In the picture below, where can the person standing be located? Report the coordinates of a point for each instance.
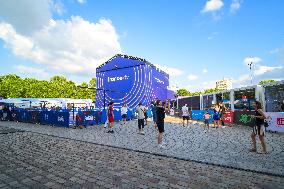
(223, 110)
(106, 123)
(216, 115)
(146, 114)
(141, 116)
(124, 113)
(160, 111)
(153, 109)
(110, 116)
(258, 128)
(206, 121)
(185, 114)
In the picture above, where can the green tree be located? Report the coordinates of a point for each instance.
(263, 82)
(183, 92)
(93, 82)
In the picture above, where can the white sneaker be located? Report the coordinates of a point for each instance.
(204, 131)
(161, 146)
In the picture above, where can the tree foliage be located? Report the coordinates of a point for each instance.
(266, 81)
(185, 92)
(12, 86)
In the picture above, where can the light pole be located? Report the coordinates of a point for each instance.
(250, 67)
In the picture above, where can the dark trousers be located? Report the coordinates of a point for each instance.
(141, 123)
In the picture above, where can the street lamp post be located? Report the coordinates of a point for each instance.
(250, 67)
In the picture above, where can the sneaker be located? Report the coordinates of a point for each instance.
(164, 143)
(111, 131)
(142, 133)
(161, 146)
(204, 131)
(108, 131)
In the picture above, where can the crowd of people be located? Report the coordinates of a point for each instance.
(158, 115)
(158, 112)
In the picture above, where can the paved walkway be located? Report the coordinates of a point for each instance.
(224, 146)
(32, 160)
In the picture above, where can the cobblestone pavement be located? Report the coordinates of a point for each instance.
(227, 147)
(32, 160)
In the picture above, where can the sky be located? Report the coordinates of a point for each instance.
(196, 41)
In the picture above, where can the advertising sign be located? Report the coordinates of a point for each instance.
(275, 121)
(244, 118)
(229, 117)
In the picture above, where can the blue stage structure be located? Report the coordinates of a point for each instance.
(129, 80)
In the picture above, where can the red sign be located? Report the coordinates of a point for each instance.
(280, 121)
(228, 117)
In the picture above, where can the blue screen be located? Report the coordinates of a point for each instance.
(131, 86)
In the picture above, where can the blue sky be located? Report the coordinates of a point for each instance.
(196, 42)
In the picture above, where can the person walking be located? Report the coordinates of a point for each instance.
(185, 114)
(141, 116)
(160, 111)
(110, 116)
(124, 113)
(258, 128)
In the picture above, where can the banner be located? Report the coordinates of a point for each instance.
(244, 118)
(275, 121)
(229, 117)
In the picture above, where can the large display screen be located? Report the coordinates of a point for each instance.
(131, 85)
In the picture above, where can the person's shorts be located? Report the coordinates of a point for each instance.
(146, 116)
(206, 121)
(110, 119)
(160, 126)
(216, 117)
(154, 119)
(185, 117)
(259, 130)
(124, 116)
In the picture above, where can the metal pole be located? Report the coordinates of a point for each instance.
(74, 114)
(104, 99)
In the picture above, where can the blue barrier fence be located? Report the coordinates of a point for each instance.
(64, 118)
(199, 115)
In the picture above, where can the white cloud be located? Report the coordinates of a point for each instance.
(274, 51)
(213, 5)
(204, 71)
(235, 5)
(169, 70)
(30, 70)
(73, 46)
(81, 1)
(260, 70)
(254, 60)
(26, 16)
(192, 77)
(57, 7)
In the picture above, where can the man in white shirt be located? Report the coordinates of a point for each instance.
(124, 113)
(141, 117)
(185, 114)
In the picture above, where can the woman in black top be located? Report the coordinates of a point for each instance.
(160, 112)
(258, 128)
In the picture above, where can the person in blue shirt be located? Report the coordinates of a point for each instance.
(153, 109)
